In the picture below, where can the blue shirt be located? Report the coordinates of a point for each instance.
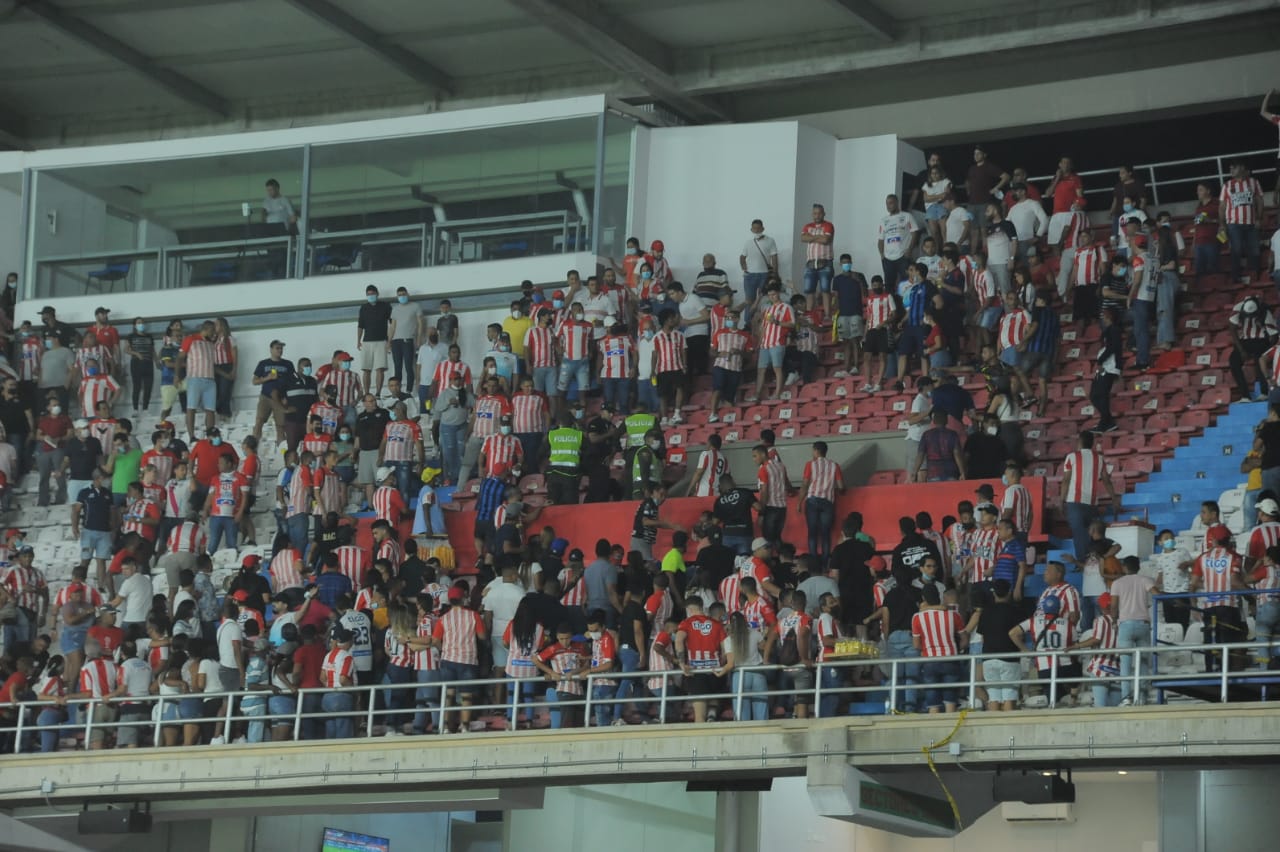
(919, 297)
(1011, 553)
(330, 585)
(96, 504)
(283, 368)
(1048, 328)
(849, 287)
(493, 492)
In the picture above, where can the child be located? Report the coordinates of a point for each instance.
(803, 354)
(880, 311)
(1104, 667)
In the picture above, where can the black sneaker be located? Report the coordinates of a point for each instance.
(1112, 428)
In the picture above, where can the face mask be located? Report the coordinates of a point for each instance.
(55, 409)
(216, 441)
(729, 323)
(346, 365)
(993, 430)
(344, 436)
(646, 275)
(502, 347)
(121, 449)
(306, 371)
(594, 634)
(48, 344)
(577, 413)
(515, 315)
(1169, 543)
(404, 300)
(1004, 480)
(655, 444)
(557, 303)
(92, 371)
(139, 327)
(393, 416)
(847, 267)
(457, 387)
(648, 334)
(660, 297)
(632, 250)
(11, 283)
(1128, 208)
(577, 317)
(371, 299)
(506, 430)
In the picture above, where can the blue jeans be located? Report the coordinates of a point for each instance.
(739, 544)
(1167, 307)
(1206, 259)
(937, 673)
(1243, 240)
(576, 370)
(453, 444)
(647, 394)
(49, 735)
(831, 700)
(1143, 313)
(617, 394)
(603, 710)
(402, 354)
(819, 278)
(544, 380)
(752, 282)
(630, 659)
(756, 709)
(900, 645)
(1130, 634)
(258, 727)
(404, 479)
(1266, 627)
(298, 527)
(554, 699)
(282, 705)
(396, 699)
(222, 529)
(1106, 693)
(1079, 516)
(427, 697)
(338, 727)
(1251, 495)
(819, 515)
(526, 688)
(312, 729)
(1088, 612)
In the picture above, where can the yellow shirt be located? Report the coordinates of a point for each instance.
(516, 328)
(673, 562)
(1255, 475)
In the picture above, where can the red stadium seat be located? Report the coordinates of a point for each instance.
(1164, 441)
(1214, 398)
(755, 414)
(883, 477)
(813, 410)
(1193, 421)
(874, 424)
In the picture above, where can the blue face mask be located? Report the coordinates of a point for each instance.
(216, 441)
(346, 365)
(1169, 543)
(729, 323)
(1128, 208)
(557, 303)
(847, 267)
(306, 371)
(404, 300)
(371, 299)
(48, 344)
(1004, 480)
(646, 275)
(92, 371)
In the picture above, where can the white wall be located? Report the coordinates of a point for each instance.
(815, 184)
(788, 821)
(655, 817)
(866, 170)
(10, 232)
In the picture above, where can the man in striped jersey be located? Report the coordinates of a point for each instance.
(1253, 328)
(1265, 535)
(1104, 666)
(1016, 505)
(1082, 472)
(669, 367)
(1216, 571)
(823, 479)
(530, 421)
(937, 631)
(1241, 206)
(771, 493)
(197, 356)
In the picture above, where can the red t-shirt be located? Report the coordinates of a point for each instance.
(108, 637)
(204, 460)
(317, 615)
(703, 637)
(307, 661)
(14, 686)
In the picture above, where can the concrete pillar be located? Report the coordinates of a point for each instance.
(231, 833)
(737, 821)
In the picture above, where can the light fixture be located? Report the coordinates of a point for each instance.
(1122, 772)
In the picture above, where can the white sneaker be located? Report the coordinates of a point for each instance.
(1036, 702)
(239, 740)
(676, 420)
(619, 723)
(664, 422)
(792, 378)
(840, 374)
(217, 741)
(867, 388)
(1126, 702)
(714, 418)
(873, 389)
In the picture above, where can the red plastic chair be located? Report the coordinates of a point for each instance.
(875, 424)
(1195, 420)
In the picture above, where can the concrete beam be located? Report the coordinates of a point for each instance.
(171, 81)
(871, 17)
(15, 834)
(403, 60)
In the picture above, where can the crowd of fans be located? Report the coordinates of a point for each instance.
(973, 287)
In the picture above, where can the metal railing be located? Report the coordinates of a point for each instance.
(899, 679)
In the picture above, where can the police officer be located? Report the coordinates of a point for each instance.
(646, 465)
(564, 461)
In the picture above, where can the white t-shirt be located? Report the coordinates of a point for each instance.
(501, 599)
(596, 308)
(1122, 241)
(644, 359)
(361, 638)
(135, 674)
(179, 597)
(920, 405)
(212, 677)
(136, 591)
(1275, 251)
(690, 308)
(938, 188)
(1029, 220)
(896, 231)
(933, 262)
(757, 251)
(429, 357)
(958, 225)
(228, 632)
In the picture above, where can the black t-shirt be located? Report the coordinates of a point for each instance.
(849, 559)
(411, 574)
(952, 399)
(912, 551)
(733, 510)
(300, 393)
(326, 540)
(83, 457)
(283, 368)
(985, 456)
(648, 510)
(1269, 434)
(994, 624)
(632, 613)
(255, 584)
(143, 346)
(902, 606)
(596, 452)
(374, 321)
(13, 414)
(716, 561)
(507, 533)
(369, 428)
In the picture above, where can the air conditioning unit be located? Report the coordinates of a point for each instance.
(1021, 812)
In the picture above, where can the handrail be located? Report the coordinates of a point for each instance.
(901, 676)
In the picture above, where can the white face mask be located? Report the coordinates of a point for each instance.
(516, 315)
(993, 430)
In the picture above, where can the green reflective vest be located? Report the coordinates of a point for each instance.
(566, 447)
(644, 457)
(637, 425)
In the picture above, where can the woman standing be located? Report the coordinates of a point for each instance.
(224, 366)
(742, 649)
(1165, 250)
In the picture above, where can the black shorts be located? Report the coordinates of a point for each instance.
(704, 684)
(726, 381)
(876, 341)
(668, 383)
(484, 530)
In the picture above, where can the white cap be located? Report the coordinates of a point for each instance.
(759, 544)
(1269, 507)
(382, 473)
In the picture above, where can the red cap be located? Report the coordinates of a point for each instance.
(876, 564)
(12, 534)
(253, 560)
(1104, 601)
(559, 294)
(240, 595)
(657, 245)
(344, 356)
(167, 425)
(456, 594)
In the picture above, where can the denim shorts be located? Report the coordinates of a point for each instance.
(95, 543)
(935, 212)
(1011, 356)
(989, 318)
(202, 394)
(772, 357)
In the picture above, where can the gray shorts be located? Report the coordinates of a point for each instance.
(173, 563)
(373, 355)
(851, 328)
(202, 394)
(366, 467)
(997, 676)
(128, 735)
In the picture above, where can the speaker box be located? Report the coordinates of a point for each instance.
(1032, 788)
(114, 822)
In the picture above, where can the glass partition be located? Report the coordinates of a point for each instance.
(615, 182)
(171, 223)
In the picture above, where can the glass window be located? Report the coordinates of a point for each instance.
(615, 185)
(174, 223)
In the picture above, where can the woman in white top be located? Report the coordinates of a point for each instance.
(742, 648)
(1004, 405)
(169, 683)
(935, 191)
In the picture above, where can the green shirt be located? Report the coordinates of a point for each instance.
(125, 470)
(673, 562)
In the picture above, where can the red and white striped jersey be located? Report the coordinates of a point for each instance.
(352, 564)
(1068, 598)
(316, 443)
(489, 410)
(248, 468)
(659, 606)
(878, 310)
(937, 629)
(564, 659)
(711, 466)
(668, 351)
(426, 660)
(338, 665)
(879, 590)
(223, 350)
(104, 429)
(959, 541)
(794, 622)
(138, 510)
(388, 504)
(574, 593)
(98, 677)
(773, 328)
(539, 347)
(617, 357)
(228, 491)
(389, 550)
(728, 593)
(771, 482)
(446, 370)
(826, 627)
(28, 366)
(299, 492)
(1237, 200)
(806, 331)
(364, 600)
(824, 477)
(458, 630)
(402, 437)
(1013, 328)
(330, 416)
(717, 315)
(286, 570)
(1017, 502)
(759, 614)
(744, 566)
(1076, 230)
(94, 390)
(703, 638)
(500, 453)
(1050, 635)
(331, 490)
(1083, 472)
(1267, 577)
(157, 656)
(346, 385)
(98, 353)
(985, 287)
(657, 661)
(25, 585)
(1259, 326)
(519, 657)
(188, 537)
(575, 339)
(985, 545)
(200, 356)
(1102, 664)
(91, 596)
(604, 651)
(816, 250)
(1263, 536)
(162, 460)
(529, 413)
(730, 346)
(1090, 262)
(398, 653)
(1217, 569)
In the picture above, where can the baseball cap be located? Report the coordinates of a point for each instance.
(47, 309)
(275, 343)
(559, 546)
(344, 356)
(381, 473)
(575, 555)
(240, 595)
(253, 560)
(101, 310)
(166, 425)
(1104, 601)
(657, 245)
(12, 534)
(559, 294)
(1269, 507)
(985, 491)
(430, 473)
(877, 564)
(987, 506)
(81, 423)
(26, 548)
(456, 594)
(759, 544)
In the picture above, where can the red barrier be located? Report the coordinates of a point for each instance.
(881, 507)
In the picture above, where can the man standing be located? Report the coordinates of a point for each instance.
(1131, 595)
(373, 341)
(730, 346)
(696, 326)
(939, 454)
(699, 639)
(197, 356)
(93, 506)
(896, 242)
(1110, 357)
(984, 183)
(406, 331)
(1216, 571)
(818, 236)
(823, 479)
(1241, 205)
(1082, 471)
(771, 493)
(759, 257)
(669, 347)
(776, 326)
(1029, 221)
(272, 376)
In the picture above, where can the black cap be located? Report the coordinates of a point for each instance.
(986, 491)
(575, 555)
(47, 309)
(101, 310)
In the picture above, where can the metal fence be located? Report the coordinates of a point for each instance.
(1174, 176)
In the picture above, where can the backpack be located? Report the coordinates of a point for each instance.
(789, 651)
